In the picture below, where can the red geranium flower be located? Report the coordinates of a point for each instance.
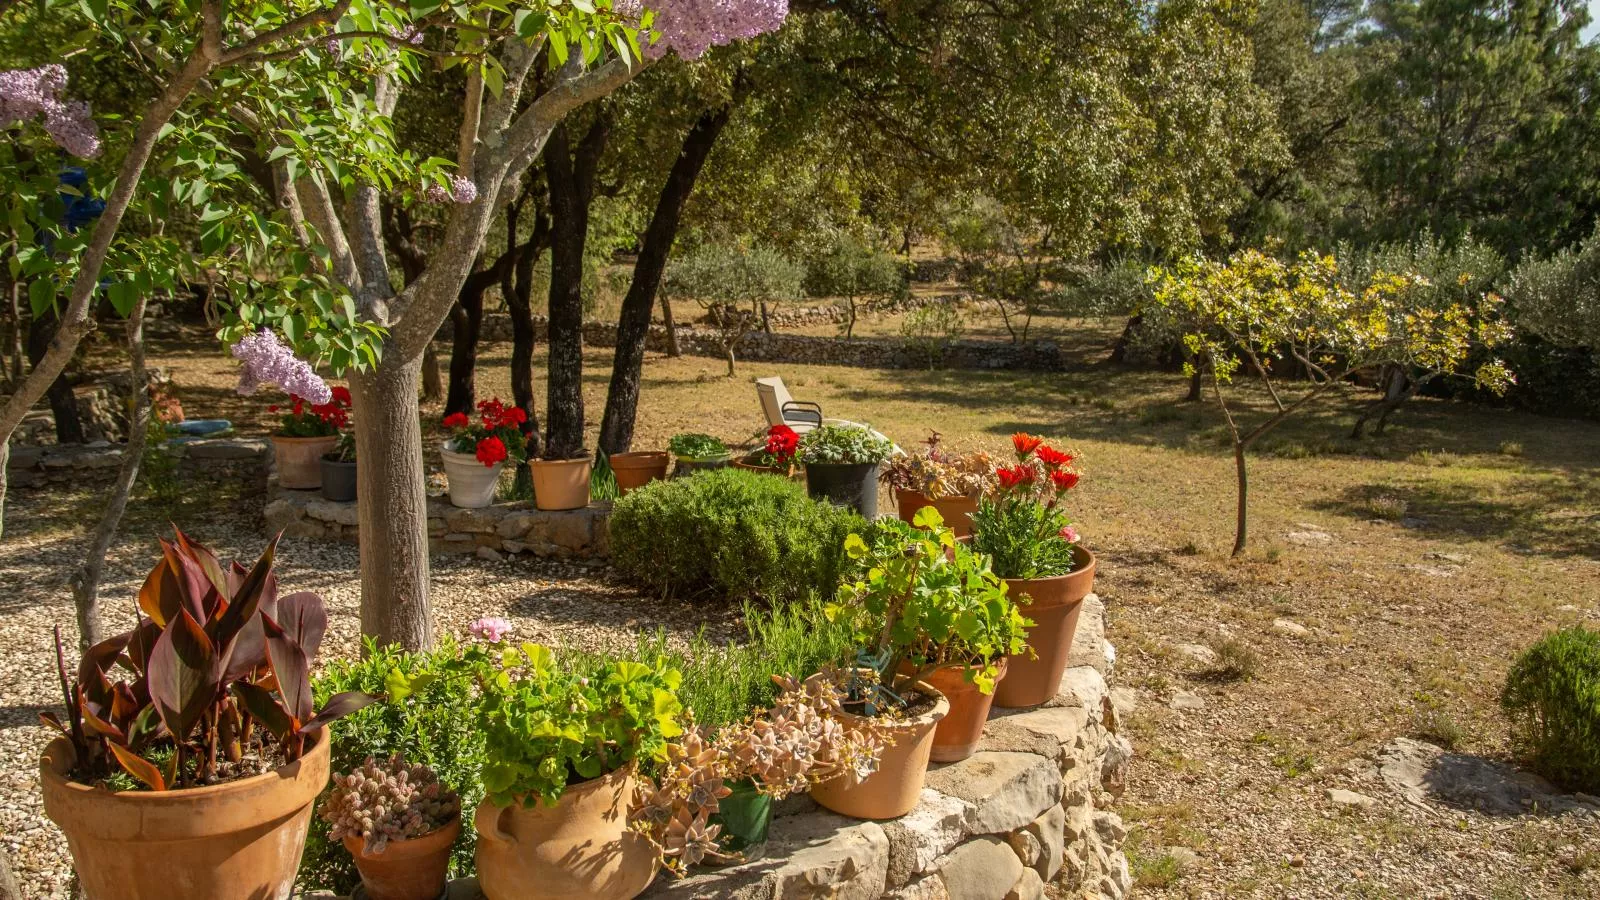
(1025, 443)
(515, 415)
(456, 420)
(1064, 480)
(1016, 475)
(341, 395)
(491, 450)
(1054, 458)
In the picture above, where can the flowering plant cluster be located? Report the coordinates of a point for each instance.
(266, 360)
(490, 628)
(800, 742)
(495, 438)
(1023, 527)
(777, 452)
(307, 419)
(388, 801)
(939, 473)
(29, 93)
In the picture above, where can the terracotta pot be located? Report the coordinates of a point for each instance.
(472, 484)
(560, 483)
(1053, 604)
(958, 733)
(579, 849)
(635, 470)
(299, 460)
(235, 841)
(413, 869)
(957, 511)
(894, 789)
(764, 470)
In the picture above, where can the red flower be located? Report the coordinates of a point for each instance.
(1054, 458)
(272, 408)
(782, 441)
(1025, 444)
(1014, 476)
(341, 395)
(491, 450)
(1064, 480)
(456, 420)
(515, 415)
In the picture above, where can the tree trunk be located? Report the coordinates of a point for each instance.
(633, 324)
(86, 581)
(1195, 381)
(571, 181)
(15, 352)
(517, 289)
(1241, 524)
(672, 329)
(63, 405)
(467, 318)
(850, 323)
(392, 504)
(432, 380)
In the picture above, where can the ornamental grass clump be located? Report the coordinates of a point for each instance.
(494, 438)
(938, 473)
(383, 802)
(1023, 527)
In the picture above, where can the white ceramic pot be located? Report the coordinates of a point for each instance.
(472, 483)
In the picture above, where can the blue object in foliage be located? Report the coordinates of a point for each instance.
(81, 208)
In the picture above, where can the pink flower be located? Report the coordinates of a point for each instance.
(691, 27)
(26, 93)
(490, 628)
(267, 361)
(461, 190)
(1069, 534)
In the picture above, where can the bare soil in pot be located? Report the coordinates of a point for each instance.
(1053, 604)
(412, 869)
(894, 789)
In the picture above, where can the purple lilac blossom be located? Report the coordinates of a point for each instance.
(411, 34)
(461, 190)
(691, 27)
(26, 93)
(267, 361)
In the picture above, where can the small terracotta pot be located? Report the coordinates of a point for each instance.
(1053, 604)
(299, 460)
(764, 470)
(235, 841)
(959, 733)
(894, 789)
(957, 511)
(579, 849)
(635, 470)
(560, 483)
(413, 869)
(472, 484)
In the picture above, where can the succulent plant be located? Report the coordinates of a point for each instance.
(937, 472)
(388, 801)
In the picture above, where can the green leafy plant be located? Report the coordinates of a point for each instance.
(1022, 526)
(697, 447)
(928, 330)
(927, 602)
(730, 535)
(1552, 695)
(936, 472)
(220, 684)
(843, 445)
(345, 450)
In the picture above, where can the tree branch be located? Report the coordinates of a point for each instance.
(249, 50)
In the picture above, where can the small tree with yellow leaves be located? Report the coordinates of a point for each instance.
(1260, 316)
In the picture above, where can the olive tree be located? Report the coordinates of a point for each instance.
(1558, 298)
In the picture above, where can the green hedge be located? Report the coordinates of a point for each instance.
(730, 535)
(1553, 697)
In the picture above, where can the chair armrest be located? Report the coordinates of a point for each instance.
(802, 411)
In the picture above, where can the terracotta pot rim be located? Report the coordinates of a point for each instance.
(575, 790)
(941, 708)
(637, 459)
(53, 767)
(574, 461)
(428, 842)
(1079, 552)
(973, 497)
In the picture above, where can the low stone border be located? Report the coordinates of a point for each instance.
(222, 459)
(489, 532)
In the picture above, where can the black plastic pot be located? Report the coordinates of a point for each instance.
(687, 466)
(744, 816)
(338, 480)
(845, 484)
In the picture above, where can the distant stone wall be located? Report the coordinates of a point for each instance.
(217, 459)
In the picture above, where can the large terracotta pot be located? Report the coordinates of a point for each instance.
(299, 460)
(235, 841)
(579, 849)
(635, 470)
(413, 869)
(958, 733)
(560, 483)
(472, 484)
(764, 470)
(894, 789)
(1053, 604)
(957, 511)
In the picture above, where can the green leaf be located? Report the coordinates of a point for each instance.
(41, 296)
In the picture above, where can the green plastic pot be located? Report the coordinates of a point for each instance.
(744, 816)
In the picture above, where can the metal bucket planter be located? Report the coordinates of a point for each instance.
(845, 484)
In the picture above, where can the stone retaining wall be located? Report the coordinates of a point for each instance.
(218, 459)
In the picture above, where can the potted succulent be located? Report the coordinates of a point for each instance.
(776, 455)
(636, 469)
(475, 453)
(1032, 544)
(713, 799)
(561, 752)
(190, 742)
(306, 432)
(952, 625)
(339, 470)
(399, 824)
(841, 464)
(695, 452)
(948, 481)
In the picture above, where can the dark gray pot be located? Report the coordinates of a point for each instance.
(845, 484)
(338, 480)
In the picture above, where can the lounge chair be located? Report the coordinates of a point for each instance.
(802, 415)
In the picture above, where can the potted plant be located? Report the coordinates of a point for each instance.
(948, 481)
(637, 469)
(776, 455)
(561, 751)
(191, 747)
(305, 433)
(841, 464)
(952, 625)
(1032, 544)
(399, 824)
(713, 799)
(695, 452)
(560, 484)
(475, 453)
(339, 470)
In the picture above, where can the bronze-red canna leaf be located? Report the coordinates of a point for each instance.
(265, 709)
(339, 706)
(139, 767)
(184, 674)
